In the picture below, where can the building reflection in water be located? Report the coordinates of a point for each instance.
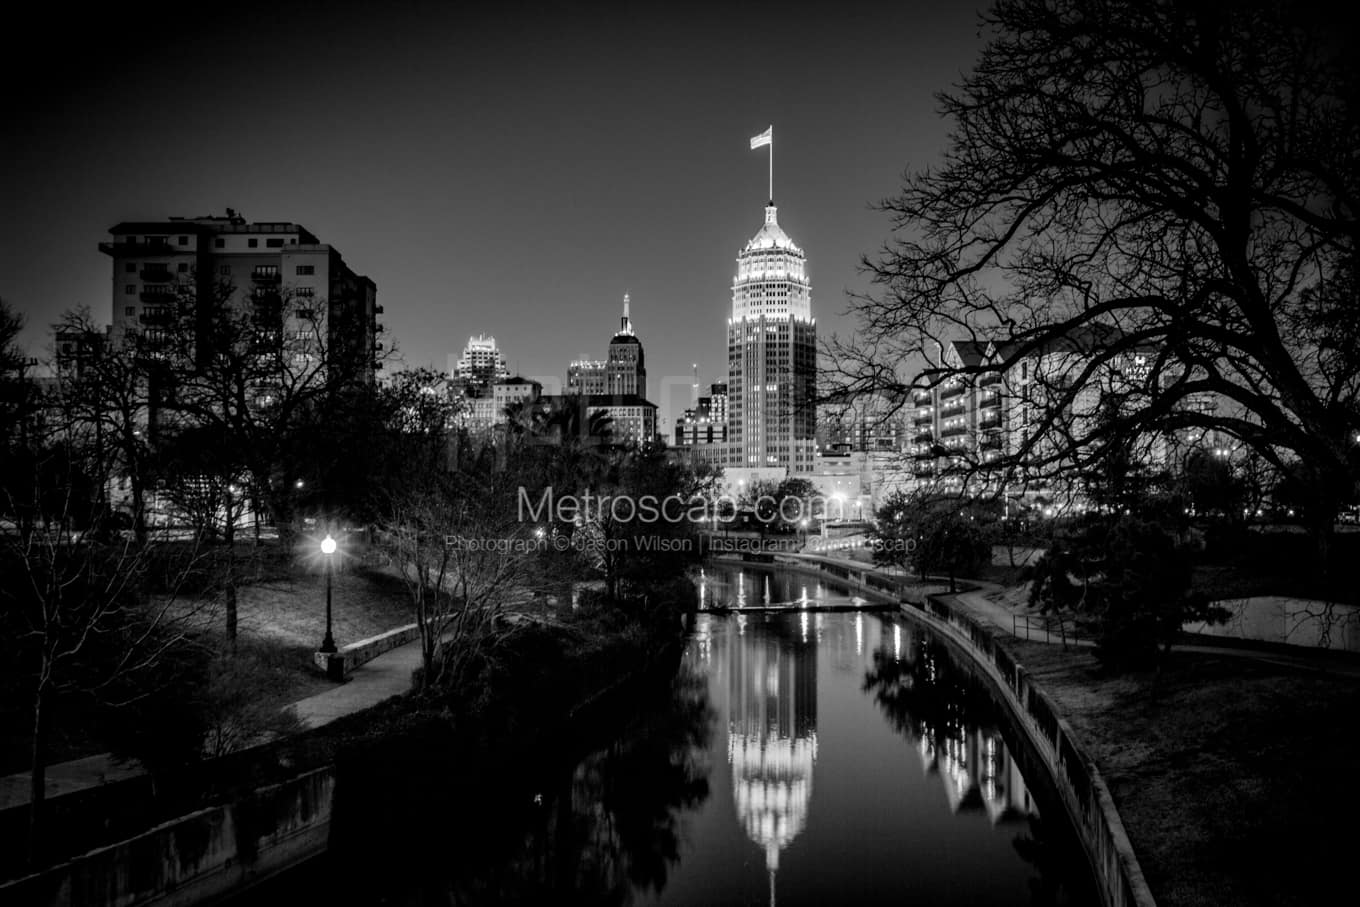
(952, 721)
(767, 665)
(772, 731)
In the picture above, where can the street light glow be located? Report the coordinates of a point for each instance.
(328, 545)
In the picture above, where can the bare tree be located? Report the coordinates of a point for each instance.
(245, 371)
(467, 560)
(76, 600)
(1166, 191)
(112, 389)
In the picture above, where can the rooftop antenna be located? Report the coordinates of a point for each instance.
(696, 384)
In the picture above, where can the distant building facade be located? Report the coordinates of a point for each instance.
(968, 421)
(250, 266)
(616, 386)
(706, 422)
(480, 366)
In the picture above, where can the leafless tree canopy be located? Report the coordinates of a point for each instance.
(1179, 178)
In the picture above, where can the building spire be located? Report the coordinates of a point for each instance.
(625, 323)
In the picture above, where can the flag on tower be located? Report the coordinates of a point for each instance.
(765, 138)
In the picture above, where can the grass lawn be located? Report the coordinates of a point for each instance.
(292, 609)
(1230, 779)
(282, 619)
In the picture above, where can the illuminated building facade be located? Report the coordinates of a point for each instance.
(623, 371)
(481, 365)
(706, 423)
(771, 358)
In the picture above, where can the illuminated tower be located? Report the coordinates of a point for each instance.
(771, 356)
(625, 366)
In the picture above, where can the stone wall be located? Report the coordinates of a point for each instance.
(197, 857)
(338, 664)
(1292, 621)
(1085, 796)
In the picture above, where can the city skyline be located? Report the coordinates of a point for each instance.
(538, 161)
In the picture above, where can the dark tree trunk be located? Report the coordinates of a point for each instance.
(37, 787)
(229, 537)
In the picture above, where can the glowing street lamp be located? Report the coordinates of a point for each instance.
(328, 549)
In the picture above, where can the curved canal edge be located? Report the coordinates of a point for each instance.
(1073, 773)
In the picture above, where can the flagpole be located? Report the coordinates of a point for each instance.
(772, 165)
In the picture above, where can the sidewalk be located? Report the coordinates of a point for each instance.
(382, 678)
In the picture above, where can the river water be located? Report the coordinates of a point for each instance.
(795, 758)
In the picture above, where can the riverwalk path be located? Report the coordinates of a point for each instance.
(373, 682)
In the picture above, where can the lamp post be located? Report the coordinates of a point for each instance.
(328, 549)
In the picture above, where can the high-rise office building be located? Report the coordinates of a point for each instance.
(623, 371)
(625, 367)
(481, 364)
(771, 357)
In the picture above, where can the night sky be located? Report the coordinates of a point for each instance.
(512, 170)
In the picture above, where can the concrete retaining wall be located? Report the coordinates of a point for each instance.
(197, 857)
(1293, 621)
(1083, 792)
(338, 664)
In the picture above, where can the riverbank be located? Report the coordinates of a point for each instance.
(1222, 768)
(1225, 769)
(539, 681)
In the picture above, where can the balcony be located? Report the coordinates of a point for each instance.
(921, 399)
(922, 470)
(953, 390)
(159, 316)
(922, 437)
(990, 379)
(991, 422)
(953, 431)
(991, 441)
(156, 274)
(123, 249)
(266, 274)
(157, 294)
(922, 420)
(953, 409)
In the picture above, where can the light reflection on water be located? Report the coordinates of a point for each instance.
(751, 587)
(817, 710)
(798, 758)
